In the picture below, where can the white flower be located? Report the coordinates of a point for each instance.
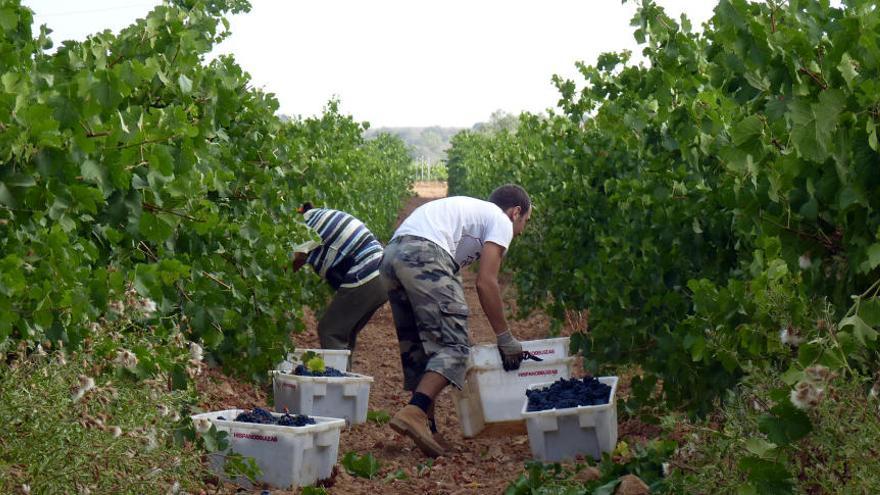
(116, 431)
(285, 367)
(151, 440)
(39, 351)
(806, 395)
(147, 307)
(665, 467)
(818, 374)
(795, 398)
(26, 489)
(116, 307)
(193, 371)
(804, 261)
(196, 353)
(202, 425)
(99, 423)
(86, 383)
(126, 359)
(788, 336)
(175, 488)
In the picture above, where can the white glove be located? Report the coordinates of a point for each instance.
(510, 349)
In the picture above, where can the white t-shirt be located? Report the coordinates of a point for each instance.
(460, 225)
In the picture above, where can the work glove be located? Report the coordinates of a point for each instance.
(510, 349)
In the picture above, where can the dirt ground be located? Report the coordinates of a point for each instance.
(482, 465)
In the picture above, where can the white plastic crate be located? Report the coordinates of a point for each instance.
(486, 356)
(492, 395)
(339, 397)
(287, 456)
(560, 434)
(334, 358)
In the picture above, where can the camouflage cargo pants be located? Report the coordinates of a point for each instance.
(429, 309)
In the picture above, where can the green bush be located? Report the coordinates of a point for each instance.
(681, 199)
(734, 451)
(126, 160)
(76, 422)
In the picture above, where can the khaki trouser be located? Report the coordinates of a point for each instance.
(429, 309)
(348, 312)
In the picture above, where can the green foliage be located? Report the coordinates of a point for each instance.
(699, 203)
(128, 161)
(558, 479)
(364, 466)
(715, 209)
(308, 356)
(400, 474)
(785, 424)
(379, 417)
(750, 452)
(424, 467)
(216, 442)
(426, 171)
(316, 365)
(239, 466)
(115, 437)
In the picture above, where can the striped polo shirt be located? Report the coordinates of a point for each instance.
(349, 254)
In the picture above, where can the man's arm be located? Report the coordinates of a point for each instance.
(488, 288)
(490, 299)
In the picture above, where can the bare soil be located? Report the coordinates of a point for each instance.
(482, 465)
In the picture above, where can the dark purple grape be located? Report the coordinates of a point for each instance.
(565, 393)
(258, 415)
(295, 420)
(262, 416)
(328, 371)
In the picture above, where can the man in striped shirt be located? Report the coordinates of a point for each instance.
(348, 258)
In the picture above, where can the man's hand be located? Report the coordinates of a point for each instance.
(511, 351)
(298, 260)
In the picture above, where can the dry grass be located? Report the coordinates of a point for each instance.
(430, 189)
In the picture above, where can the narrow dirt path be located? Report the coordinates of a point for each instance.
(481, 465)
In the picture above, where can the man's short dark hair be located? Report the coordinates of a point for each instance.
(509, 196)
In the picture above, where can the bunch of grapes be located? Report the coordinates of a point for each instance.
(295, 420)
(569, 393)
(328, 371)
(258, 415)
(264, 417)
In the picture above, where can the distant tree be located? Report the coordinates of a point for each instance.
(498, 121)
(425, 143)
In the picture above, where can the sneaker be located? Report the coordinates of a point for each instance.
(413, 422)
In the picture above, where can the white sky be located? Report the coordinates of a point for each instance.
(402, 62)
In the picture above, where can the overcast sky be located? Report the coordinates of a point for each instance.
(401, 62)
